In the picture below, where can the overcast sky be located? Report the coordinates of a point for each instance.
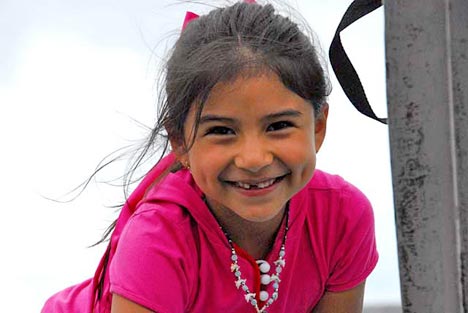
(74, 75)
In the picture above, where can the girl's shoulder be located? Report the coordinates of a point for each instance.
(340, 222)
(324, 180)
(325, 183)
(334, 197)
(172, 199)
(176, 200)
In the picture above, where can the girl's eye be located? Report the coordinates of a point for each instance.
(279, 125)
(219, 130)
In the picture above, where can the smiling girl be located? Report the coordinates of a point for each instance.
(236, 218)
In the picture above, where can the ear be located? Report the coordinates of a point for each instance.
(321, 126)
(179, 149)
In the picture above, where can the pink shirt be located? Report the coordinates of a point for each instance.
(172, 256)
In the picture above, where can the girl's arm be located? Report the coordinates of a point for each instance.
(349, 301)
(123, 305)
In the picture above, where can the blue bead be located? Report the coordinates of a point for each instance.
(276, 285)
(237, 273)
(234, 257)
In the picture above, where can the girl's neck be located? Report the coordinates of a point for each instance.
(256, 238)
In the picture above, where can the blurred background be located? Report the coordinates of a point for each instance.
(78, 81)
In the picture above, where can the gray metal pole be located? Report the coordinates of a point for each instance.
(427, 71)
(459, 53)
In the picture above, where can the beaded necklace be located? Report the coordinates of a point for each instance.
(250, 297)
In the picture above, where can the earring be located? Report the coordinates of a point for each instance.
(186, 164)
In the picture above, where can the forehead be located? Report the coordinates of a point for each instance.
(251, 95)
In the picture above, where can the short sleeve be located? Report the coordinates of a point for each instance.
(355, 254)
(153, 261)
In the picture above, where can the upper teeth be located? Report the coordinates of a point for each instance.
(264, 184)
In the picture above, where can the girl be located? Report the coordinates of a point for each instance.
(236, 218)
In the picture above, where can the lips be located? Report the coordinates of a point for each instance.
(262, 184)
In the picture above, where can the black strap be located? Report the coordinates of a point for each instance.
(344, 70)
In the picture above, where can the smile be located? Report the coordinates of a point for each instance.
(259, 185)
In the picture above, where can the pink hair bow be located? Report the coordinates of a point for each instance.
(190, 16)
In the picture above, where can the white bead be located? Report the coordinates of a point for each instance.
(263, 266)
(265, 279)
(264, 295)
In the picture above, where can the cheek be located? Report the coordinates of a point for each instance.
(206, 164)
(301, 158)
(300, 151)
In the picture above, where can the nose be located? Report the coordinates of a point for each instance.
(253, 155)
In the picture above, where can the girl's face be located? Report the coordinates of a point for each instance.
(255, 146)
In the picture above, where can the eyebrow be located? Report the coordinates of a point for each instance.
(218, 118)
(215, 118)
(286, 113)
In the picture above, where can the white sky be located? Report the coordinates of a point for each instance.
(74, 73)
